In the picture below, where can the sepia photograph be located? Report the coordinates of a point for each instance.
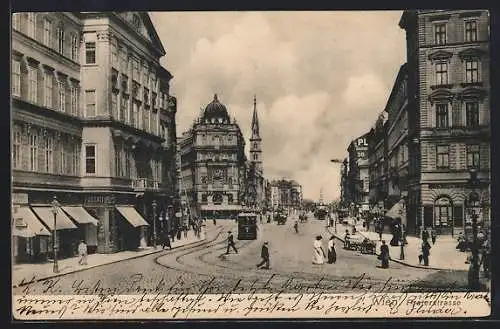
(250, 164)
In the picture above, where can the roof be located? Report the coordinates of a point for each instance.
(216, 112)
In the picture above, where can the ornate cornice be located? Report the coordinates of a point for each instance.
(471, 53)
(472, 93)
(441, 95)
(440, 55)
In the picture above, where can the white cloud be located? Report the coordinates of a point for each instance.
(321, 79)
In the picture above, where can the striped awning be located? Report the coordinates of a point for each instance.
(80, 215)
(132, 216)
(26, 225)
(62, 220)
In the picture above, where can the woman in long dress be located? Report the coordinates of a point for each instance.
(319, 253)
(332, 254)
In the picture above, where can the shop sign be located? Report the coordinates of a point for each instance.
(20, 198)
(99, 199)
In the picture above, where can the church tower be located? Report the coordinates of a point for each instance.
(255, 140)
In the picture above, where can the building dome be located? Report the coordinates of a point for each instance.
(215, 112)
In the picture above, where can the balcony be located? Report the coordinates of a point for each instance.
(145, 184)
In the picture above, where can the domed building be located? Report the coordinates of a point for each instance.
(212, 156)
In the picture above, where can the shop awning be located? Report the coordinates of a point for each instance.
(221, 207)
(397, 210)
(26, 224)
(80, 215)
(132, 216)
(62, 220)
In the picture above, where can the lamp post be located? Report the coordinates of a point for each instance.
(402, 238)
(55, 209)
(473, 199)
(154, 223)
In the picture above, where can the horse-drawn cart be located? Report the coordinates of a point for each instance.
(358, 242)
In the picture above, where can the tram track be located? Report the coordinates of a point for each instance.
(210, 269)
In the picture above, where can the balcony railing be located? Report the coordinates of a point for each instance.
(145, 184)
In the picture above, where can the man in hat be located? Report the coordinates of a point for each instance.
(264, 254)
(230, 242)
(82, 251)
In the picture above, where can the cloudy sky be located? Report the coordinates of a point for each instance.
(321, 80)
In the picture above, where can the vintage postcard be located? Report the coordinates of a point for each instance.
(242, 165)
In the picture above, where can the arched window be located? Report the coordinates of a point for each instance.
(443, 212)
(255, 157)
(255, 145)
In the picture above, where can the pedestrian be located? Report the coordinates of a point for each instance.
(296, 227)
(264, 254)
(185, 230)
(215, 221)
(426, 247)
(230, 243)
(384, 255)
(332, 254)
(166, 241)
(425, 234)
(82, 251)
(318, 253)
(485, 257)
(380, 230)
(346, 239)
(433, 236)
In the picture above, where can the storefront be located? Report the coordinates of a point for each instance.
(30, 239)
(120, 225)
(87, 226)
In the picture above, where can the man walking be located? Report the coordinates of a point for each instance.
(230, 243)
(82, 251)
(166, 241)
(426, 247)
(296, 226)
(264, 254)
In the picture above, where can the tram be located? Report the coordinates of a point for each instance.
(247, 226)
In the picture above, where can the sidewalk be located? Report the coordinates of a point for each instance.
(38, 272)
(443, 255)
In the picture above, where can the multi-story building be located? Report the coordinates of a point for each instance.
(213, 162)
(377, 155)
(397, 147)
(358, 176)
(449, 116)
(286, 194)
(93, 125)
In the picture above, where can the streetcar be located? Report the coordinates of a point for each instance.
(247, 226)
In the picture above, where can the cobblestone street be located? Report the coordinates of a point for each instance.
(205, 267)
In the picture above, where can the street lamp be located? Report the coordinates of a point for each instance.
(55, 209)
(402, 237)
(154, 223)
(473, 199)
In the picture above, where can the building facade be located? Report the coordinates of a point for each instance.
(93, 125)
(286, 194)
(449, 117)
(213, 169)
(358, 175)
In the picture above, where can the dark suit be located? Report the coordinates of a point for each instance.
(264, 254)
(230, 244)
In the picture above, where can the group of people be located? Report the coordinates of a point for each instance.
(319, 254)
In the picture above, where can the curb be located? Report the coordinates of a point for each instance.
(112, 262)
(399, 261)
